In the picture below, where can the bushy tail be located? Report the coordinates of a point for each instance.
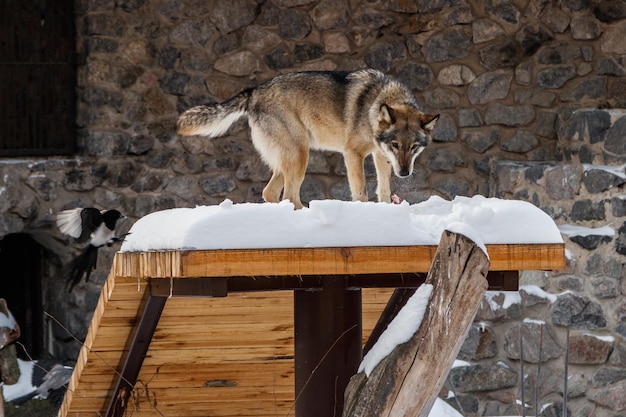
(213, 120)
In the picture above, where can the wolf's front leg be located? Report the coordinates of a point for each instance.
(356, 175)
(383, 177)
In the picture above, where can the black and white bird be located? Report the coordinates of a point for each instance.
(92, 226)
(42, 379)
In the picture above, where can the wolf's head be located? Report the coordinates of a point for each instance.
(402, 132)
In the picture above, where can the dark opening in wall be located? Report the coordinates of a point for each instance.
(21, 270)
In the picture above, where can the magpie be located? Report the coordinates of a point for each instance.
(92, 226)
(42, 379)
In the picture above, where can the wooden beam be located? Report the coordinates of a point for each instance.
(323, 261)
(407, 381)
(140, 343)
(328, 337)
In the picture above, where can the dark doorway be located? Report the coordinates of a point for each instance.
(21, 269)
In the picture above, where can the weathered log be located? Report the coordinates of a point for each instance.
(407, 381)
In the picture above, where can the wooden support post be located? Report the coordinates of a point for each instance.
(406, 382)
(327, 346)
(136, 354)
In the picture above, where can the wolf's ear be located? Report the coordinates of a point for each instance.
(429, 121)
(385, 116)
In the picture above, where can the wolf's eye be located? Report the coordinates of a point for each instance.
(395, 145)
(414, 147)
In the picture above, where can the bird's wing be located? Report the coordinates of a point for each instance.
(58, 376)
(70, 222)
(91, 219)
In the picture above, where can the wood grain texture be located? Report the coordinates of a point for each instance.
(245, 338)
(323, 261)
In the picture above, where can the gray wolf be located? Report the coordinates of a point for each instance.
(356, 113)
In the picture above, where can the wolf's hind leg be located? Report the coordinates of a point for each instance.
(294, 170)
(356, 174)
(271, 192)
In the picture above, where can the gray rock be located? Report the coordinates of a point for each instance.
(415, 76)
(586, 125)
(105, 24)
(533, 36)
(445, 130)
(607, 376)
(546, 125)
(618, 206)
(599, 265)
(444, 160)
(588, 210)
(531, 336)
(620, 241)
(520, 142)
(482, 377)
(570, 282)
(577, 312)
(599, 180)
(611, 66)
(449, 44)
(605, 287)
(370, 18)
(501, 54)
(615, 143)
(618, 356)
(490, 86)
(587, 349)
(537, 98)
(590, 242)
(218, 186)
(480, 343)
(562, 53)
(98, 143)
(481, 140)
(453, 186)
(331, 14)
(441, 98)
(557, 20)
(239, 64)
(592, 88)
(585, 28)
(469, 117)
(509, 115)
(193, 32)
(307, 51)
(456, 75)
(293, 24)
(229, 16)
(383, 55)
(279, 57)
(85, 179)
(563, 181)
(555, 77)
(612, 397)
(484, 30)
(609, 11)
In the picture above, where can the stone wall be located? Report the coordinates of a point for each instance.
(529, 94)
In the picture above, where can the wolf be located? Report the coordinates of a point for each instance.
(357, 113)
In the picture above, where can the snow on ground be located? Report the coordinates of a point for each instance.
(334, 223)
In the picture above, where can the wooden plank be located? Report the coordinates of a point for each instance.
(323, 261)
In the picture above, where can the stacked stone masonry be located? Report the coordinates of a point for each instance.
(530, 95)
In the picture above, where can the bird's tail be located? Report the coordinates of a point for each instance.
(213, 120)
(81, 266)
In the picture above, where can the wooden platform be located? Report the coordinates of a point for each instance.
(234, 355)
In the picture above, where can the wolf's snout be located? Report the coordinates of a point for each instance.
(404, 173)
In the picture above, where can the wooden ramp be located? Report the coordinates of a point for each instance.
(223, 342)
